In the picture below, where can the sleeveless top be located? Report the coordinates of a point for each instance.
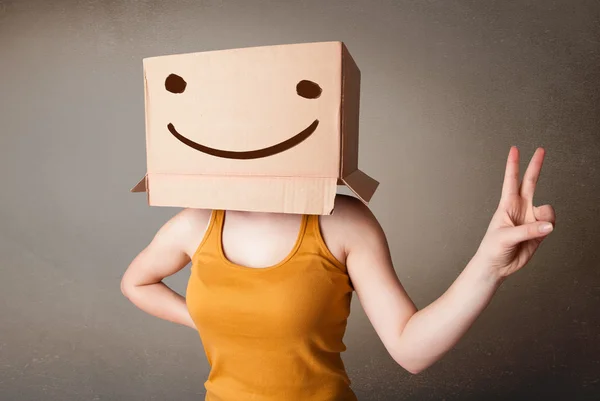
(273, 333)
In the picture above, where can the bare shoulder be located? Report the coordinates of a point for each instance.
(351, 222)
(187, 228)
(350, 213)
(196, 217)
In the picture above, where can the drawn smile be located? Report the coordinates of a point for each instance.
(249, 154)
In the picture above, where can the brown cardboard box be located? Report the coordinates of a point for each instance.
(268, 129)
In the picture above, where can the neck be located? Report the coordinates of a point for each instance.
(259, 216)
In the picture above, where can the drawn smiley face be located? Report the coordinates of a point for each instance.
(305, 88)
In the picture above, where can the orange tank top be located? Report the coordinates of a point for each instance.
(273, 333)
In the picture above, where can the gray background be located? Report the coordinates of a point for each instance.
(447, 88)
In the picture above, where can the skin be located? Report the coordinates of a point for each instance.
(415, 339)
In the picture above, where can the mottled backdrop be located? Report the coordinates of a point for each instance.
(448, 87)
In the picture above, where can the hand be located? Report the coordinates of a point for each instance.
(514, 233)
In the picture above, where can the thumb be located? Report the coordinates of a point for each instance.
(526, 232)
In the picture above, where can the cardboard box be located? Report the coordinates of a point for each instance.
(266, 129)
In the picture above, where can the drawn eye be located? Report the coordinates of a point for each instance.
(308, 89)
(175, 84)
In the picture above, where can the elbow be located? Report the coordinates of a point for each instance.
(128, 283)
(126, 288)
(414, 371)
(409, 367)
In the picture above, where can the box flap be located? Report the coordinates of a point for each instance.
(299, 195)
(361, 184)
(140, 186)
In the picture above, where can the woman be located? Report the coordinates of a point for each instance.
(270, 293)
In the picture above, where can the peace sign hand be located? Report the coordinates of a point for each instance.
(517, 227)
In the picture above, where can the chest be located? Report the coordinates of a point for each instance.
(291, 300)
(258, 246)
(267, 244)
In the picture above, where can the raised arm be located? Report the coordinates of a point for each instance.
(414, 339)
(417, 339)
(169, 252)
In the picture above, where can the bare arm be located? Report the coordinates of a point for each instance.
(434, 330)
(415, 339)
(513, 236)
(168, 253)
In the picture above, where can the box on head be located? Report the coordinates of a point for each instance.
(265, 129)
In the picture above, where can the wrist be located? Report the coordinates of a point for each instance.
(485, 272)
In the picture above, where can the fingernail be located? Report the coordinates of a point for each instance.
(545, 228)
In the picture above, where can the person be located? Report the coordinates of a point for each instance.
(270, 293)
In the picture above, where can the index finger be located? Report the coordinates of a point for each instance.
(510, 186)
